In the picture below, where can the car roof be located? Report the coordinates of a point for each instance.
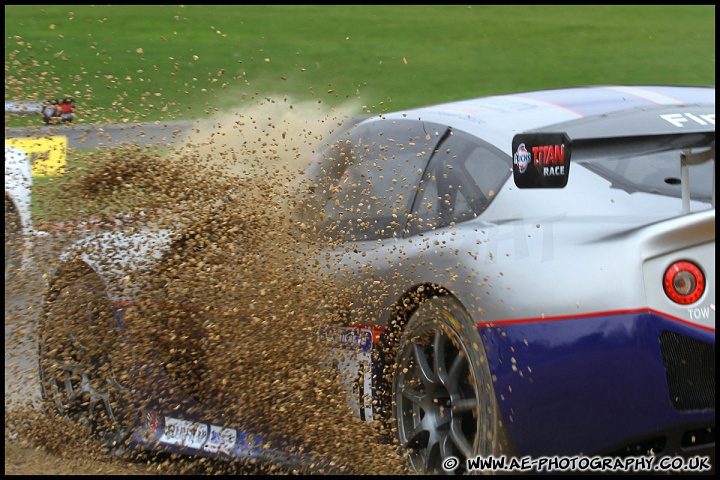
(498, 118)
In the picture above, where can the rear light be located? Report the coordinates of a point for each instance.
(684, 283)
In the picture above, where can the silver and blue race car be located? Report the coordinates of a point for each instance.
(530, 275)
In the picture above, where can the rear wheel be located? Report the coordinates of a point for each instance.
(80, 350)
(443, 399)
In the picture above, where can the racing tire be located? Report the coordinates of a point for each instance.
(444, 404)
(80, 358)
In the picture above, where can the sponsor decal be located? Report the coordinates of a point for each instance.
(197, 435)
(152, 422)
(150, 425)
(221, 439)
(541, 160)
(550, 159)
(184, 433)
(349, 337)
(522, 158)
(352, 355)
(682, 120)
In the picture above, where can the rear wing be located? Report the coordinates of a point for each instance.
(541, 158)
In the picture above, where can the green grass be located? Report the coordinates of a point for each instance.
(56, 198)
(100, 183)
(142, 63)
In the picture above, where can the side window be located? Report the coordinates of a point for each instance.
(460, 182)
(383, 163)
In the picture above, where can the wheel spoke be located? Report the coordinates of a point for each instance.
(457, 370)
(446, 448)
(416, 397)
(71, 392)
(109, 409)
(422, 366)
(432, 455)
(459, 440)
(439, 342)
(413, 435)
(92, 403)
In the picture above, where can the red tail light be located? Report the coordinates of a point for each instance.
(684, 282)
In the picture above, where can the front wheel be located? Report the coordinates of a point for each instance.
(443, 399)
(80, 350)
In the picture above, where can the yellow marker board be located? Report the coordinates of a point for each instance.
(48, 155)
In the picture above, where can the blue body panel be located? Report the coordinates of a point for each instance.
(564, 387)
(171, 421)
(584, 385)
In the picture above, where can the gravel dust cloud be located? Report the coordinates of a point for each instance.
(250, 341)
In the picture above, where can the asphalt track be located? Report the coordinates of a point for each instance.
(23, 301)
(93, 136)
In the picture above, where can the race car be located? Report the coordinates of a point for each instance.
(530, 275)
(18, 219)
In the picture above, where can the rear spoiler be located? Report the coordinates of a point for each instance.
(541, 158)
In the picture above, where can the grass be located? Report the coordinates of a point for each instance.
(56, 198)
(148, 63)
(144, 63)
(100, 182)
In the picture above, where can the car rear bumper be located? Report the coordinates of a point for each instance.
(605, 381)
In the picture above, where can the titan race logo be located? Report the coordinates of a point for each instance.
(550, 159)
(541, 160)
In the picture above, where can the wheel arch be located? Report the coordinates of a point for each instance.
(118, 258)
(72, 269)
(401, 312)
